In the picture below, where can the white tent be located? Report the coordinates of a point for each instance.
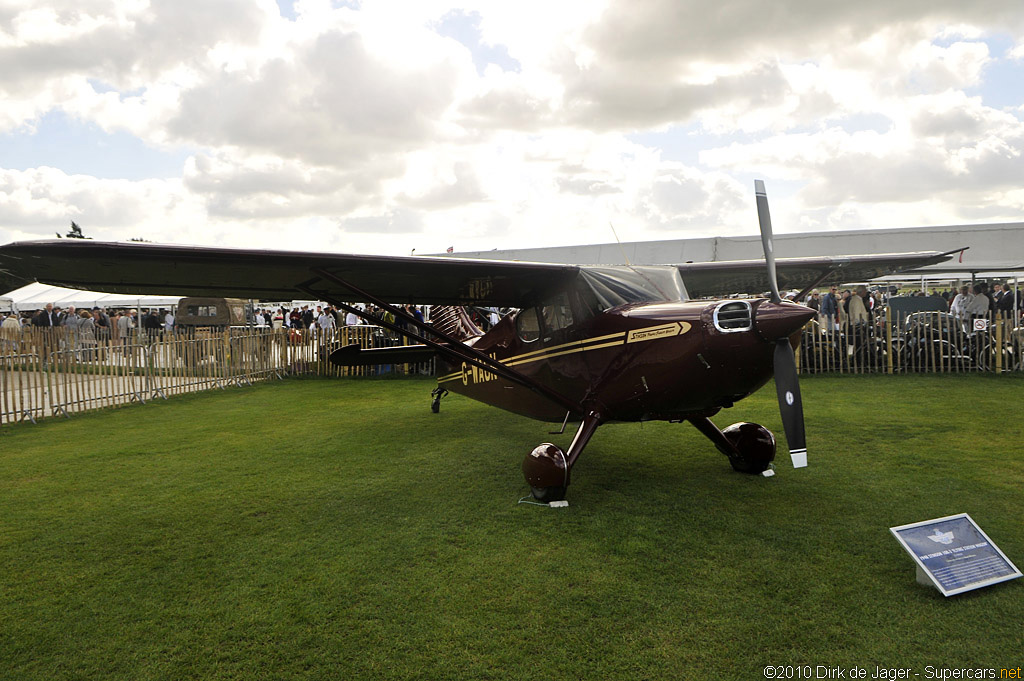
(36, 296)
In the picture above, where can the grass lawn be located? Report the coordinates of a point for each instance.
(337, 529)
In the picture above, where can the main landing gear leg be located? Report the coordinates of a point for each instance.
(749, 446)
(437, 394)
(547, 468)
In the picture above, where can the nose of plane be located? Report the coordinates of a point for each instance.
(781, 320)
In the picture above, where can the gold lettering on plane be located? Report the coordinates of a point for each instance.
(473, 374)
(477, 289)
(655, 332)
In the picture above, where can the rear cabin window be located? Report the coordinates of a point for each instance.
(550, 317)
(527, 326)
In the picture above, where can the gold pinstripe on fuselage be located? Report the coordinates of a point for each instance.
(547, 353)
(596, 343)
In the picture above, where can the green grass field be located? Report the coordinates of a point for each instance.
(318, 529)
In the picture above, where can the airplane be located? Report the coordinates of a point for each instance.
(587, 344)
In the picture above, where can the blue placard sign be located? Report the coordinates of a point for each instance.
(955, 554)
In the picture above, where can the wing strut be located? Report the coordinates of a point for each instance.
(817, 282)
(457, 348)
(439, 347)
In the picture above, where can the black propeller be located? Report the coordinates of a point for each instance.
(787, 384)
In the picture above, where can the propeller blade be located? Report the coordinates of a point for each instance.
(764, 220)
(787, 385)
(790, 405)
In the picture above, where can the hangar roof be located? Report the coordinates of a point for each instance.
(992, 248)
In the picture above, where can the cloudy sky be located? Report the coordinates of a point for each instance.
(383, 127)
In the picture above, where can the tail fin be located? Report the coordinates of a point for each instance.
(454, 321)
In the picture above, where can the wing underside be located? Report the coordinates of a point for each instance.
(139, 268)
(709, 279)
(142, 268)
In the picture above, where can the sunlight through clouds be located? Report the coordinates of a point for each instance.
(386, 126)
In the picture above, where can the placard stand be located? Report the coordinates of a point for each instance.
(954, 555)
(922, 577)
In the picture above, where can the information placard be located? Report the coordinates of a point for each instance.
(955, 554)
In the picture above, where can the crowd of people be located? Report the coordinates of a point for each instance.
(978, 301)
(99, 321)
(836, 310)
(84, 329)
(122, 323)
(327, 317)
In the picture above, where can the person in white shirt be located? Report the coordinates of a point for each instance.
(959, 306)
(326, 320)
(71, 322)
(979, 305)
(125, 328)
(352, 319)
(10, 331)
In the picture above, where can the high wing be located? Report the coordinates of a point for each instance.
(709, 279)
(143, 268)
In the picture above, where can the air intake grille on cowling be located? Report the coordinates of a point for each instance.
(733, 316)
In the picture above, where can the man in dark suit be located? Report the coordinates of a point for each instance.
(46, 317)
(49, 319)
(1007, 303)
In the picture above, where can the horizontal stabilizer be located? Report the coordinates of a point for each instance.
(355, 356)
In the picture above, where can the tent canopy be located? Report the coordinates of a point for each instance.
(35, 296)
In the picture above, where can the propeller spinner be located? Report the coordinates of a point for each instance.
(787, 385)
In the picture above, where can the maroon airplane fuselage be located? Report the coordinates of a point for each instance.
(640, 361)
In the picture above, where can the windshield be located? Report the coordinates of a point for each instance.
(608, 287)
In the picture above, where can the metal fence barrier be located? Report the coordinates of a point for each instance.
(48, 372)
(57, 371)
(934, 342)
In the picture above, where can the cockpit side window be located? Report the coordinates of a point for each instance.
(589, 303)
(556, 314)
(547, 319)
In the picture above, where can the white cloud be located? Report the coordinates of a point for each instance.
(329, 102)
(359, 127)
(681, 198)
(44, 200)
(938, 68)
(945, 156)
(271, 187)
